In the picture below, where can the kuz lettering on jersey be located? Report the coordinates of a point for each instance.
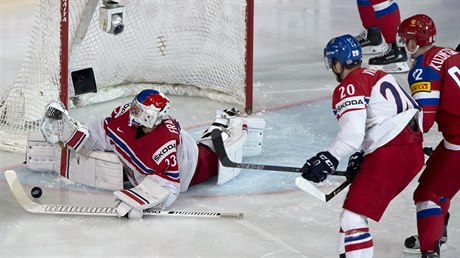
(164, 151)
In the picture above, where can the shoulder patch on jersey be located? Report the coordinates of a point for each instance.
(164, 151)
(420, 87)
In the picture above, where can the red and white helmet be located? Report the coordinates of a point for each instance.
(148, 108)
(420, 28)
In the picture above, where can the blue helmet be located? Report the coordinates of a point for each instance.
(345, 49)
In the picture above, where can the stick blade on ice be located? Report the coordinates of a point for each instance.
(20, 194)
(59, 209)
(306, 186)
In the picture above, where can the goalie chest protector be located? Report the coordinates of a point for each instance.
(146, 154)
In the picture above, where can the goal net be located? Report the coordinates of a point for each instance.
(181, 47)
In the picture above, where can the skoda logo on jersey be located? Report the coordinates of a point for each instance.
(124, 108)
(353, 102)
(164, 151)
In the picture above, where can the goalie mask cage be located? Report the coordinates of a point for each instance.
(181, 47)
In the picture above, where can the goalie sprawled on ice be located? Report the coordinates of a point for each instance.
(141, 142)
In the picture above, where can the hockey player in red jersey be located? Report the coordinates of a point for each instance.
(377, 116)
(434, 81)
(381, 17)
(158, 157)
(151, 144)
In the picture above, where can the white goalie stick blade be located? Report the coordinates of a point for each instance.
(306, 186)
(33, 207)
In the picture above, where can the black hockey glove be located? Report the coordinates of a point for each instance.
(353, 165)
(317, 168)
(428, 151)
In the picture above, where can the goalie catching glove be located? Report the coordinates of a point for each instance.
(317, 168)
(133, 201)
(58, 126)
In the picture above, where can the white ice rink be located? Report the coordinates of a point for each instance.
(292, 93)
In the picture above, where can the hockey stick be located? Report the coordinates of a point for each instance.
(34, 207)
(301, 183)
(306, 186)
(226, 162)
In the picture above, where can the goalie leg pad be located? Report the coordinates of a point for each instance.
(41, 155)
(234, 145)
(98, 169)
(255, 128)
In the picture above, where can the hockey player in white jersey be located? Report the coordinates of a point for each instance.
(377, 116)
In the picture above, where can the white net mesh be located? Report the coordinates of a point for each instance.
(193, 47)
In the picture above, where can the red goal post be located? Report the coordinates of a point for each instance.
(182, 47)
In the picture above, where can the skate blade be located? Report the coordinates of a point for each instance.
(411, 251)
(417, 251)
(401, 67)
(374, 50)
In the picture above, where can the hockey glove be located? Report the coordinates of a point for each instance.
(353, 165)
(58, 126)
(428, 151)
(133, 201)
(317, 168)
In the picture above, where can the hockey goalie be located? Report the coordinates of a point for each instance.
(140, 143)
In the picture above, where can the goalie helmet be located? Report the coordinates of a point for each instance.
(420, 28)
(345, 49)
(148, 108)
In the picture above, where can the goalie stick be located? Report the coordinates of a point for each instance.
(226, 162)
(33, 207)
(301, 183)
(306, 186)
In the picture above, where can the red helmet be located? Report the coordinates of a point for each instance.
(419, 27)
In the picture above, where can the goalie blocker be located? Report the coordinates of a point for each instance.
(243, 137)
